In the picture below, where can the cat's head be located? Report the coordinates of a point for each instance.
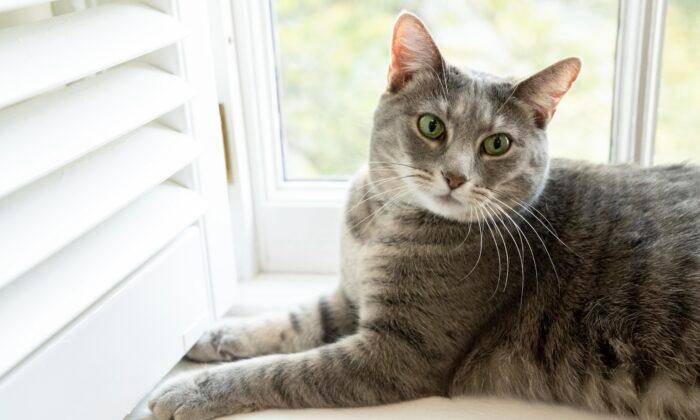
(455, 142)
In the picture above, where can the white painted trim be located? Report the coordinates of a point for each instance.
(229, 92)
(286, 240)
(654, 42)
(208, 173)
(637, 75)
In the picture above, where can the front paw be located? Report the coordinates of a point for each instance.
(230, 340)
(181, 398)
(202, 395)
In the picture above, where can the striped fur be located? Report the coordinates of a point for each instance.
(554, 281)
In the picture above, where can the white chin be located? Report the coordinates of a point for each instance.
(449, 208)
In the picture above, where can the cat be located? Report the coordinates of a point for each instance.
(473, 264)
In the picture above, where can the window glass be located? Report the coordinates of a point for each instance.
(679, 98)
(333, 56)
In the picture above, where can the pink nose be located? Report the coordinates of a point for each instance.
(453, 180)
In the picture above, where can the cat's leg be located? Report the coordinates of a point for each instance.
(323, 322)
(380, 364)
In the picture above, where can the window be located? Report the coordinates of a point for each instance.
(333, 54)
(309, 75)
(680, 86)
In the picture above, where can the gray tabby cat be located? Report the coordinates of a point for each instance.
(474, 265)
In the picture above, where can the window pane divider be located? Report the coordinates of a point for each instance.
(637, 79)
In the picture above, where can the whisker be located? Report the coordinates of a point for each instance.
(522, 235)
(363, 199)
(392, 200)
(498, 251)
(399, 164)
(471, 212)
(521, 255)
(406, 188)
(442, 86)
(496, 210)
(481, 242)
(527, 208)
(538, 236)
(505, 247)
(512, 92)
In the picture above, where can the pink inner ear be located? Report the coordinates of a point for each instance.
(412, 49)
(545, 89)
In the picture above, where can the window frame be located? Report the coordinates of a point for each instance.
(637, 80)
(283, 211)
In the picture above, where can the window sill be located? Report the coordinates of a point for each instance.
(278, 291)
(274, 292)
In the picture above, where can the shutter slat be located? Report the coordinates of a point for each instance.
(38, 220)
(72, 279)
(40, 56)
(41, 134)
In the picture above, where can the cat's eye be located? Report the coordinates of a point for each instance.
(431, 126)
(496, 144)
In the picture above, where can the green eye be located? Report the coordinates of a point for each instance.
(431, 126)
(496, 144)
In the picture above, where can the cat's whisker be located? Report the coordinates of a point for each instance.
(443, 85)
(374, 214)
(496, 210)
(379, 194)
(544, 245)
(443, 66)
(498, 251)
(360, 222)
(481, 242)
(551, 226)
(471, 212)
(369, 190)
(505, 246)
(512, 92)
(399, 164)
(528, 208)
(379, 181)
(521, 234)
(364, 197)
(419, 173)
(391, 201)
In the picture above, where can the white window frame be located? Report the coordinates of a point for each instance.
(294, 226)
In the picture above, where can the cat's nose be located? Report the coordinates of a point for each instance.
(454, 180)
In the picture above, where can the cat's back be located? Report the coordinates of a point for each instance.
(629, 188)
(620, 208)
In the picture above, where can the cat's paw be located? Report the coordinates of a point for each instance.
(181, 398)
(201, 395)
(221, 343)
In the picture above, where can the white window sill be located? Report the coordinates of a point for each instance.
(274, 292)
(277, 291)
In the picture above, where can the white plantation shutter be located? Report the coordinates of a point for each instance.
(115, 247)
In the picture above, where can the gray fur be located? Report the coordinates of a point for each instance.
(556, 281)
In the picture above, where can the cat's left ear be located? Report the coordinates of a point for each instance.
(543, 91)
(412, 50)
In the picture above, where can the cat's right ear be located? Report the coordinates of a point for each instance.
(412, 50)
(543, 91)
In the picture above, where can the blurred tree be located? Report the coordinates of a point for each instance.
(679, 99)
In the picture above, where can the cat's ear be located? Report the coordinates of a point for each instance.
(412, 50)
(543, 91)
